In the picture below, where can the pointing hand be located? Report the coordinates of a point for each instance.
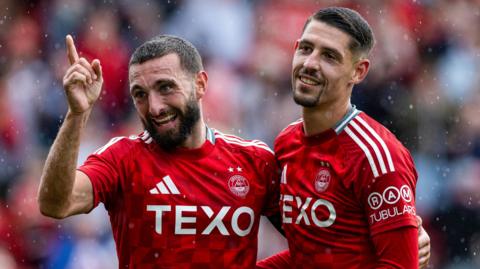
(82, 81)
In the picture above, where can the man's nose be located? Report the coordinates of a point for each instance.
(156, 103)
(312, 61)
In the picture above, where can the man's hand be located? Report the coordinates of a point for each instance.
(82, 81)
(423, 245)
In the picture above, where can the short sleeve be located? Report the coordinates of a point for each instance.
(103, 169)
(389, 200)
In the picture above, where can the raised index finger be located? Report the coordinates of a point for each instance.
(71, 50)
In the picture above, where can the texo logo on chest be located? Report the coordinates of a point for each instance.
(307, 211)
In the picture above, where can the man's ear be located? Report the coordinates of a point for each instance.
(361, 70)
(201, 81)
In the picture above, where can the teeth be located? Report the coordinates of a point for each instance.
(308, 81)
(166, 119)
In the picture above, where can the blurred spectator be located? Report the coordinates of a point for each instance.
(457, 222)
(218, 28)
(10, 154)
(145, 20)
(102, 40)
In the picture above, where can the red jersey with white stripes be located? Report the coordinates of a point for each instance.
(195, 208)
(342, 187)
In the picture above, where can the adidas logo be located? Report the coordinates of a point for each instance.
(165, 186)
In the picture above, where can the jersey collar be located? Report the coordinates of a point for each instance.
(210, 135)
(351, 113)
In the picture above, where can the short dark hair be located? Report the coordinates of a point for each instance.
(162, 45)
(350, 22)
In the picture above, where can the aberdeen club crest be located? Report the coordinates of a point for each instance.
(239, 185)
(322, 180)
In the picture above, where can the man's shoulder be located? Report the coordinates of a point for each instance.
(378, 131)
(122, 145)
(364, 140)
(235, 144)
(286, 135)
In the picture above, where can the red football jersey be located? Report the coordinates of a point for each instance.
(195, 208)
(342, 187)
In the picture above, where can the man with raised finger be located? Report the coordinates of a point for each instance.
(180, 194)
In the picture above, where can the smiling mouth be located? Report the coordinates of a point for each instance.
(308, 80)
(166, 118)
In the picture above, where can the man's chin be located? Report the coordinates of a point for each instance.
(305, 102)
(168, 141)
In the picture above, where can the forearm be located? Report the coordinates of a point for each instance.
(58, 175)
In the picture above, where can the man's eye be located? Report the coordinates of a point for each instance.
(139, 95)
(165, 88)
(305, 49)
(329, 56)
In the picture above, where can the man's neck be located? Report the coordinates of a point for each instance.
(198, 136)
(319, 119)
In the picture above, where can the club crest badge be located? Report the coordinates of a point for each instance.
(239, 185)
(322, 180)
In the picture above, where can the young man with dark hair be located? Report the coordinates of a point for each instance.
(347, 184)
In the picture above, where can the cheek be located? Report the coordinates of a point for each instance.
(141, 108)
(297, 61)
(333, 73)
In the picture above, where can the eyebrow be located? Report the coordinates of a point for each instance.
(334, 52)
(135, 87)
(324, 48)
(157, 84)
(304, 42)
(163, 82)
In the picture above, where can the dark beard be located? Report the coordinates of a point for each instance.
(306, 102)
(172, 139)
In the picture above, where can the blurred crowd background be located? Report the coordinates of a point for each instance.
(423, 85)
